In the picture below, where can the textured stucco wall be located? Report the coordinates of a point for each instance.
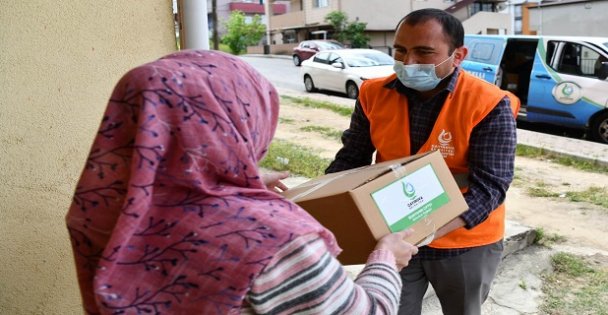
(59, 61)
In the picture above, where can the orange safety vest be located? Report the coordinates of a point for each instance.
(471, 101)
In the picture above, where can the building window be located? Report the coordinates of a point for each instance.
(482, 7)
(517, 9)
(320, 3)
(518, 27)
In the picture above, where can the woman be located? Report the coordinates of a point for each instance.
(172, 216)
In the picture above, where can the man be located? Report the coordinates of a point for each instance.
(432, 104)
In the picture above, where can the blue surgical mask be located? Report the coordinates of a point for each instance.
(420, 77)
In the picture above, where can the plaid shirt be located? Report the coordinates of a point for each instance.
(491, 152)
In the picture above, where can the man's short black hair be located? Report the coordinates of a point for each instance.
(452, 27)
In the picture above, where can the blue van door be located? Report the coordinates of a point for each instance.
(484, 57)
(563, 88)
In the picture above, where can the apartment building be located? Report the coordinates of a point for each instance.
(305, 19)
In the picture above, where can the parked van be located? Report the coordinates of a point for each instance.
(560, 80)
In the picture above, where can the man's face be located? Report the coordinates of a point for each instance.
(425, 43)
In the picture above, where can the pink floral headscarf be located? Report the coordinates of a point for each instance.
(170, 214)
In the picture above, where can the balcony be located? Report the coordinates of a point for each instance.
(256, 8)
(288, 20)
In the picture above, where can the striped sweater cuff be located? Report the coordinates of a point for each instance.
(382, 256)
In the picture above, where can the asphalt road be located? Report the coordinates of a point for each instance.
(284, 75)
(280, 71)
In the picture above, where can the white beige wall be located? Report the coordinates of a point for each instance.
(574, 19)
(316, 16)
(378, 17)
(59, 61)
(488, 23)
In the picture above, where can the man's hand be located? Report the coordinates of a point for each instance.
(273, 182)
(449, 227)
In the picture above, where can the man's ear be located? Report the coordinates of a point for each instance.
(459, 54)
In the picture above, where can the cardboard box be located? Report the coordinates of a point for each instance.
(361, 205)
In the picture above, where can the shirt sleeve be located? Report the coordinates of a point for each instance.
(357, 147)
(491, 163)
(304, 277)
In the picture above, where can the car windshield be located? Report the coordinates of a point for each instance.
(329, 45)
(368, 60)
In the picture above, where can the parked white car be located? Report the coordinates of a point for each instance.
(344, 70)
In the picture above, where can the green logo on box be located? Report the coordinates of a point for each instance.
(408, 190)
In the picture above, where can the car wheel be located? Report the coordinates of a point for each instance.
(296, 60)
(308, 84)
(599, 128)
(352, 91)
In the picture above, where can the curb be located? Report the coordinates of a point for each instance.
(268, 56)
(517, 237)
(593, 152)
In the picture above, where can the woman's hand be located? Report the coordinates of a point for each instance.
(273, 182)
(402, 250)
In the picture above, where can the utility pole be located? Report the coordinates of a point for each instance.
(216, 40)
(268, 12)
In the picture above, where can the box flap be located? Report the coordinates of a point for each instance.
(344, 181)
(393, 166)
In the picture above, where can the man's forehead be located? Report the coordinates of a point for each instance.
(421, 36)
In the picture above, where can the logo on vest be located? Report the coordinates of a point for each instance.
(444, 146)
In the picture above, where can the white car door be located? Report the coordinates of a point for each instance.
(335, 77)
(319, 69)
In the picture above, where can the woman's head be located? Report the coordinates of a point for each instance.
(200, 116)
(171, 196)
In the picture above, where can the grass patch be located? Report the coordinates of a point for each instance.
(595, 195)
(298, 160)
(518, 180)
(523, 285)
(285, 120)
(308, 102)
(570, 265)
(325, 131)
(576, 287)
(543, 238)
(542, 154)
(541, 190)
